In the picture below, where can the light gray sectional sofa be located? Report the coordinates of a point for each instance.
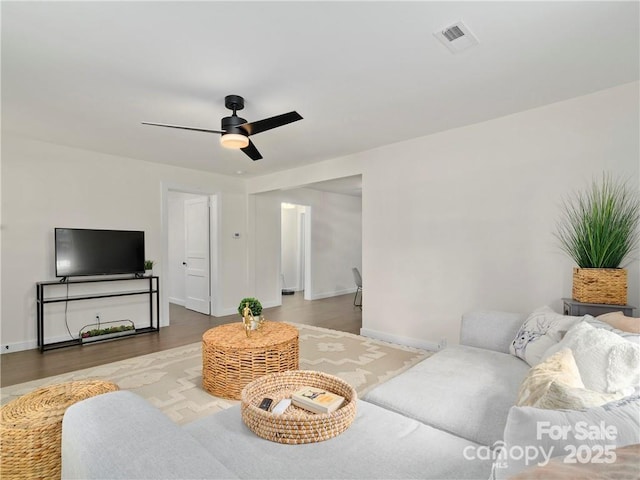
(465, 390)
(440, 419)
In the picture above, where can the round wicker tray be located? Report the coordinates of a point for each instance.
(295, 425)
(31, 428)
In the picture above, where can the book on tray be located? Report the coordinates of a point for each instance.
(316, 400)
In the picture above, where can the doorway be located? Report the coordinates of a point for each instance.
(189, 265)
(196, 255)
(294, 248)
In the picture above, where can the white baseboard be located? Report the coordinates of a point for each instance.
(31, 344)
(407, 341)
(177, 301)
(18, 347)
(271, 304)
(223, 312)
(335, 293)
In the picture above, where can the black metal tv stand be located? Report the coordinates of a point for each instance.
(152, 290)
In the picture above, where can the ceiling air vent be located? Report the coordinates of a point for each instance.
(456, 37)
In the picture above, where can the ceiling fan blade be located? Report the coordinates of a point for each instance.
(182, 127)
(252, 151)
(252, 128)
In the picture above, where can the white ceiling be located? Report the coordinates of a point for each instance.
(362, 74)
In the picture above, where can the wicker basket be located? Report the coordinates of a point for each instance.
(295, 425)
(600, 285)
(31, 428)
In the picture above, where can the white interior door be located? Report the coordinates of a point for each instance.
(197, 275)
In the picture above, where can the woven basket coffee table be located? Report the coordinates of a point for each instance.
(31, 428)
(230, 360)
(296, 425)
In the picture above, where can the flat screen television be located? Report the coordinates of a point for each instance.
(81, 252)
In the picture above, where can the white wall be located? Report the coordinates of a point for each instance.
(336, 240)
(291, 247)
(264, 216)
(46, 185)
(463, 220)
(468, 214)
(233, 275)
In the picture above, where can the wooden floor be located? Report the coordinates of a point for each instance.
(186, 327)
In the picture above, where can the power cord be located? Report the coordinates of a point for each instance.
(66, 307)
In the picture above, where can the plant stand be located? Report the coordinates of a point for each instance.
(579, 309)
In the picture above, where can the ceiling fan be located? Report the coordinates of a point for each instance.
(235, 131)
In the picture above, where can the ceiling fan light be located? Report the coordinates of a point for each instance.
(234, 140)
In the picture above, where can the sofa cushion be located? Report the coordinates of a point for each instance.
(120, 435)
(463, 390)
(588, 434)
(543, 329)
(378, 444)
(490, 330)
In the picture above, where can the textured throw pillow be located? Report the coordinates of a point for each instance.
(559, 367)
(541, 330)
(601, 368)
(555, 383)
(623, 369)
(561, 397)
(550, 433)
(619, 321)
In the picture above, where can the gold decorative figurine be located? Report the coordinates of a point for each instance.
(250, 322)
(247, 319)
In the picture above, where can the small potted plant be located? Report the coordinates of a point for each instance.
(254, 305)
(148, 267)
(599, 229)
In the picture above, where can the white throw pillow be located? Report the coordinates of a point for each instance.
(601, 367)
(543, 329)
(587, 434)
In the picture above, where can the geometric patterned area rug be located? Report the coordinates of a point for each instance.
(172, 379)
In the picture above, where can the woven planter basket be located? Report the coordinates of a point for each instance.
(296, 425)
(600, 285)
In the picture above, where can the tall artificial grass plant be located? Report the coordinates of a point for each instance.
(599, 227)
